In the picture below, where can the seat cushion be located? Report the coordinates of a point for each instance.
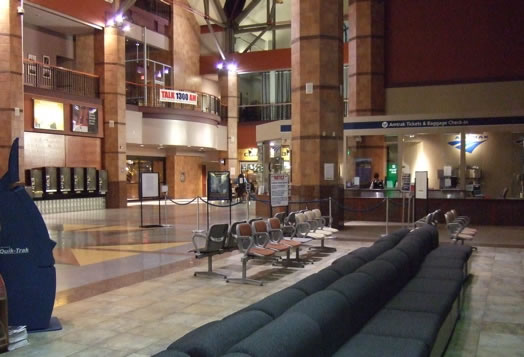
(276, 304)
(364, 345)
(420, 326)
(414, 252)
(396, 236)
(172, 353)
(290, 335)
(434, 286)
(215, 338)
(369, 253)
(346, 265)
(386, 277)
(440, 273)
(438, 304)
(443, 262)
(362, 293)
(453, 251)
(332, 313)
(317, 282)
(400, 261)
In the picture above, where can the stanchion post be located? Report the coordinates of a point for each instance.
(403, 208)
(247, 201)
(198, 213)
(330, 216)
(387, 214)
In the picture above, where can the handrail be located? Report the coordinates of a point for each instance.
(263, 105)
(28, 61)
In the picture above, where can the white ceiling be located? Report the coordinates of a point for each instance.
(36, 16)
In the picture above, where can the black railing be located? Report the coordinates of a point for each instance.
(149, 96)
(264, 112)
(40, 75)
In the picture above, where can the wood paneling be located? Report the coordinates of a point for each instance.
(43, 150)
(247, 136)
(92, 11)
(83, 152)
(191, 166)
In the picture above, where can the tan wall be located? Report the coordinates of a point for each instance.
(85, 53)
(186, 49)
(499, 158)
(459, 98)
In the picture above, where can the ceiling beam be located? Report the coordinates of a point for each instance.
(246, 11)
(220, 10)
(261, 27)
(256, 39)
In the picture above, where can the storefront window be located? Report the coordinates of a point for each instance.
(136, 166)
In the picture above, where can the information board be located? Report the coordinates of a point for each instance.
(421, 185)
(85, 119)
(149, 185)
(279, 190)
(218, 186)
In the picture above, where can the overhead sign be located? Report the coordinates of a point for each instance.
(279, 190)
(176, 96)
(472, 142)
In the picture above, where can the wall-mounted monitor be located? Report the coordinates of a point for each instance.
(33, 178)
(90, 177)
(102, 182)
(48, 115)
(78, 179)
(84, 119)
(64, 179)
(50, 180)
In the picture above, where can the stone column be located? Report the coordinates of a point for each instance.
(366, 58)
(317, 117)
(110, 66)
(12, 92)
(227, 82)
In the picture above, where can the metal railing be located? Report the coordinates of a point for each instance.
(264, 112)
(149, 95)
(60, 79)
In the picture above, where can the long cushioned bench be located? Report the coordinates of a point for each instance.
(399, 297)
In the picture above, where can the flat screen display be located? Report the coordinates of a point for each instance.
(84, 119)
(48, 115)
(51, 180)
(65, 179)
(218, 186)
(78, 179)
(90, 176)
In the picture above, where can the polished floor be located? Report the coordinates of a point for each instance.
(123, 290)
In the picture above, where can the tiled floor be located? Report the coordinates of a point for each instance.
(126, 291)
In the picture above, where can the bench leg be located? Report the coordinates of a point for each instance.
(323, 248)
(289, 262)
(244, 279)
(210, 272)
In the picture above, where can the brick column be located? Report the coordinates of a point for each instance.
(317, 118)
(12, 90)
(366, 57)
(229, 99)
(109, 65)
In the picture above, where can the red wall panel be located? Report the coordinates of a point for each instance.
(453, 41)
(92, 11)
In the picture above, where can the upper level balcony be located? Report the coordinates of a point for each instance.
(59, 79)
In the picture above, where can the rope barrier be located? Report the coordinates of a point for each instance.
(185, 203)
(214, 205)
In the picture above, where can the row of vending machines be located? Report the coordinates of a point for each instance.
(61, 182)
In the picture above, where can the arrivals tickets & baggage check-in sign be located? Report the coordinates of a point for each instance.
(279, 190)
(176, 96)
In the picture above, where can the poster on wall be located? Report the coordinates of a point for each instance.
(218, 186)
(46, 71)
(84, 119)
(176, 96)
(421, 185)
(279, 190)
(48, 115)
(31, 69)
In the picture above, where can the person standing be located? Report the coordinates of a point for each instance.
(377, 183)
(241, 185)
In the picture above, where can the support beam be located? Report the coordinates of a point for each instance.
(246, 11)
(256, 39)
(125, 5)
(216, 39)
(220, 11)
(261, 27)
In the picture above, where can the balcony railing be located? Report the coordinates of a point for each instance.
(264, 112)
(149, 95)
(60, 79)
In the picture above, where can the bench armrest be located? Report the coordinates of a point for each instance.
(261, 239)
(198, 236)
(245, 243)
